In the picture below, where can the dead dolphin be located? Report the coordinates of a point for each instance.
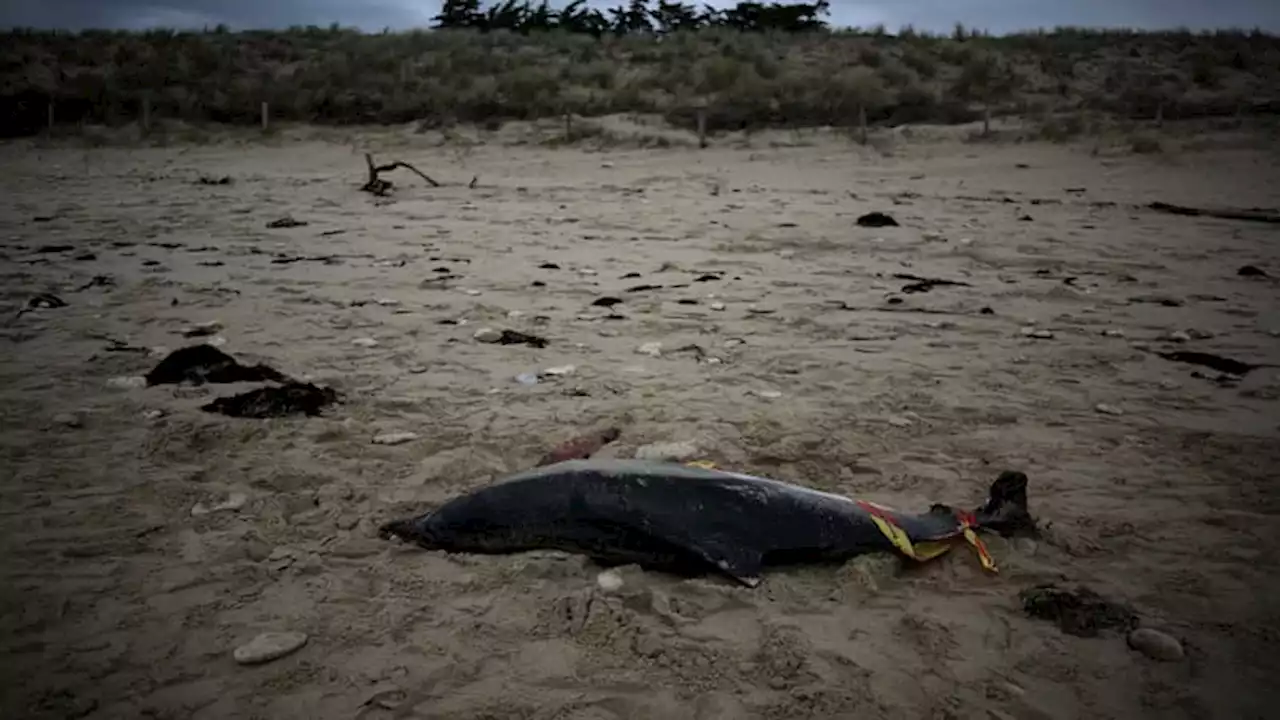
(691, 520)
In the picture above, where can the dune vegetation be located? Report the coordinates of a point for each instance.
(751, 66)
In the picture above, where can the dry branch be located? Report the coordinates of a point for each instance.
(1220, 213)
(378, 186)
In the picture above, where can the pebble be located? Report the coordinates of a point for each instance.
(269, 646)
(652, 349)
(668, 451)
(487, 335)
(1106, 409)
(212, 327)
(387, 302)
(717, 306)
(586, 271)
(70, 420)
(234, 501)
(472, 293)
(609, 581)
(1040, 333)
(527, 378)
(365, 342)
(1178, 336)
(755, 310)
(127, 382)
(899, 421)
(1156, 645)
(560, 370)
(768, 394)
(153, 415)
(397, 438)
(1113, 333)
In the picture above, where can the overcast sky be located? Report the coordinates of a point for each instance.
(939, 15)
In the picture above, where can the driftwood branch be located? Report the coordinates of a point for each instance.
(378, 186)
(1220, 213)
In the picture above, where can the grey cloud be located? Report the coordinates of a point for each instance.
(936, 15)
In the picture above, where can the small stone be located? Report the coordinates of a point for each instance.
(712, 360)
(204, 329)
(153, 415)
(1106, 409)
(717, 306)
(586, 271)
(397, 438)
(1039, 333)
(1178, 336)
(365, 342)
(1199, 334)
(559, 371)
(127, 382)
(652, 349)
(487, 335)
(899, 421)
(756, 310)
(768, 394)
(70, 420)
(1113, 333)
(609, 581)
(668, 451)
(1156, 645)
(216, 341)
(234, 501)
(527, 378)
(472, 293)
(269, 646)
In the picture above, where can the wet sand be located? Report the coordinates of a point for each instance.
(1154, 486)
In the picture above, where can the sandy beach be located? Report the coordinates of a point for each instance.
(145, 539)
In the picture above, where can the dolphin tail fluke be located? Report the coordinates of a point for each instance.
(1006, 510)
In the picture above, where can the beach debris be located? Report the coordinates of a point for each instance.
(1212, 361)
(652, 349)
(877, 220)
(204, 329)
(292, 398)
(200, 364)
(377, 186)
(45, 301)
(395, 438)
(288, 221)
(269, 646)
(1249, 215)
(1080, 612)
(581, 447)
(1156, 645)
(643, 288)
(925, 284)
(233, 501)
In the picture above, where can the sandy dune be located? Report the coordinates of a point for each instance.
(1157, 488)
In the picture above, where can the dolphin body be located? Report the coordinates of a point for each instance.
(689, 520)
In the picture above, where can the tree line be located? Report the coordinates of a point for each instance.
(636, 17)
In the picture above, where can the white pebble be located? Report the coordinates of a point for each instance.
(1106, 409)
(899, 421)
(717, 306)
(487, 335)
(559, 370)
(652, 349)
(609, 581)
(1041, 334)
(365, 342)
(398, 438)
(1156, 645)
(269, 646)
